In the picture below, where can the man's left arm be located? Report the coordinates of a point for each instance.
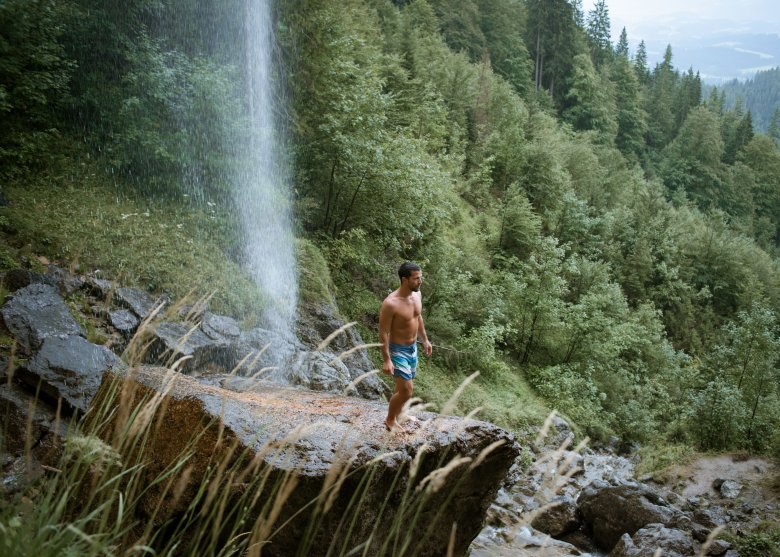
(427, 346)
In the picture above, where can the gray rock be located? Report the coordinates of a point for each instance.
(124, 321)
(64, 280)
(68, 368)
(558, 518)
(648, 540)
(25, 420)
(330, 429)
(21, 473)
(311, 370)
(317, 323)
(101, 288)
(219, 327)
(4, 363)
(718, 547)
(604, 468)
(174, 341)
(522, 541)
(699, 532)
(611, 511)
(30, 425)
(730, 489)
(136, 300)
(36, 312)
(265, 349)
(711, 518)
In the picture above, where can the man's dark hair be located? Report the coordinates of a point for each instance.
(405, 270)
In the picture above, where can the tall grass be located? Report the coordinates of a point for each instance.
(115, 490)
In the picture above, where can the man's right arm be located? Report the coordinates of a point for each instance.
(385, 324)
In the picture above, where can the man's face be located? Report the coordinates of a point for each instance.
(414, 281)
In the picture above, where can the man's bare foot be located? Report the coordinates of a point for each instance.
(394, 427)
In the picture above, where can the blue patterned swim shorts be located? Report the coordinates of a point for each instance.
(404, 358)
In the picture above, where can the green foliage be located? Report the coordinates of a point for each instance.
(631, 118)
(599, 32)
(693, 160)
(314, 284)
(553, 40)
(34, 75)
(764, 541)
(588, 106)
(179, 125)
(574, 394)
(717, 415)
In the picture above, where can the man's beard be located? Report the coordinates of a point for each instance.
(414, 289)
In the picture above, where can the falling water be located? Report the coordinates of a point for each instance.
(262, 186)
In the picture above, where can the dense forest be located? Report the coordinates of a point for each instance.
(594, 232)
(760, 95)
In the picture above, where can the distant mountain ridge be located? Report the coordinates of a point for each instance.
(722, 57)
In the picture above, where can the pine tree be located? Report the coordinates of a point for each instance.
(631, 119)
(773, 130)
(579, 14)
(599, 32)
(590, 106)
(660, 103)
(503, 24)
(737, 137)
(622, 46)
(640, 63)
(552, 37)
(687, 96)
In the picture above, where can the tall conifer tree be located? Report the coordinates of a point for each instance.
(622, 46)
(599, 31)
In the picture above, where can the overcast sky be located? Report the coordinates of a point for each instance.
(664, 19)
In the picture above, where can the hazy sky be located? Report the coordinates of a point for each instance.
(666, 18)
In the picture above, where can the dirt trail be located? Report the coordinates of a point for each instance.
(695, 479)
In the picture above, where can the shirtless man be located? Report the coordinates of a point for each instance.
(400, 324)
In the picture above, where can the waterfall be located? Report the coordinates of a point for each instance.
(262, 186)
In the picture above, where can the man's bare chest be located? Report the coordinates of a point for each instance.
(407, 311)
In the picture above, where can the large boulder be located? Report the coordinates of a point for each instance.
(654, 537)
(68, 368)
(557, 518)
(611, 511)
(420, 487)
(37, 312)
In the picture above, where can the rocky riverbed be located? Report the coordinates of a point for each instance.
(589, 502)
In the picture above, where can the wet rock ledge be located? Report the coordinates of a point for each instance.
(286, 432)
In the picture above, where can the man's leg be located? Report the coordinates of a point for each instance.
(403, 392)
